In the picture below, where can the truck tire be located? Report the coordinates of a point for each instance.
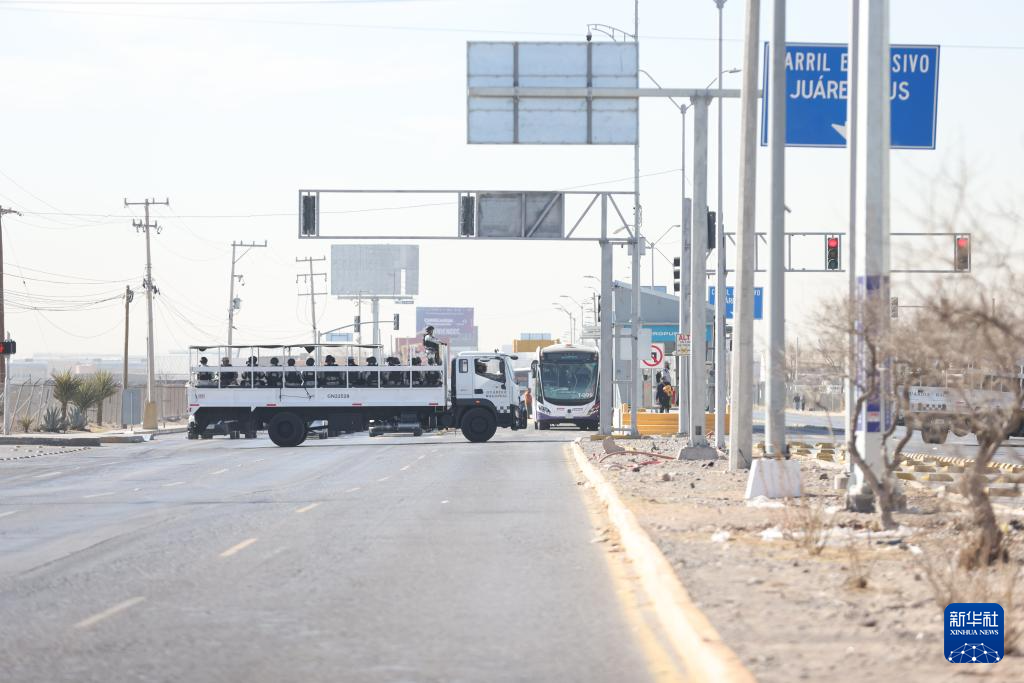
(287, 429)
(479, 425)
(934, 435)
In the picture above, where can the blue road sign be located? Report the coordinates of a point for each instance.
(816, 89)
(730, 301)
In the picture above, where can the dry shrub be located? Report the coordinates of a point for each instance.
(807, 524)
(859, 565)
(1003, 583)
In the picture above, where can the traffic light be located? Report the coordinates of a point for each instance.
(675, 274)
(962, 253)
(832, 252)
(356, 322)
(894, 307)
(467, 215)
(396, 321)
(8, 347)
(712, 232)
(598, 308)
(308, 226)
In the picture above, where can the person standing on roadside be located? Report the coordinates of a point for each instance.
(664, 396)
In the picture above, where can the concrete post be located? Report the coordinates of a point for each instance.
(872, 216)
(698, 274)
(775, 423)
(683, 382)
(851, 251)
(741, 434)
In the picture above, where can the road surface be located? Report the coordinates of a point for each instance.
(351, 559)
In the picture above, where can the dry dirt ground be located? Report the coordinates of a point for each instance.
(806, 591)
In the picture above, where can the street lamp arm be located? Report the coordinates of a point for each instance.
(680, 107)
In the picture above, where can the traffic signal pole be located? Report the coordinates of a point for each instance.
(607, 355)
(872, 247)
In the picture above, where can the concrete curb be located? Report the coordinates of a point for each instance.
(49, 441)
(698, 645)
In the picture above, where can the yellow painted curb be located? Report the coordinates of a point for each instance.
(697, 644)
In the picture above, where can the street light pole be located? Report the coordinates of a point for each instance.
(721, 376)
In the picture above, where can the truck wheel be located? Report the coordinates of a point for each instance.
(479, 425)
(934, 435)
(287, 429)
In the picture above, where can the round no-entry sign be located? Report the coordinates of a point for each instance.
(657, 355)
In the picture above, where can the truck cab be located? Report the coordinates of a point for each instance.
(485, 394)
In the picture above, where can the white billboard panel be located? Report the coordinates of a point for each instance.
(536, 215)
(551, 120)
(375, 269)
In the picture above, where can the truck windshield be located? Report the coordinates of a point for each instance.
(568, 381)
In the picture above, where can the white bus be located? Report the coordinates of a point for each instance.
(565, 387)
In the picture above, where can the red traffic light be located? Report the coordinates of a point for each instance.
(962, 242)
(8, 347)
(833, 242)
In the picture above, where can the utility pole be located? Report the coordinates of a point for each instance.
(775, 405)
(3, 362)
(721, 376)
(851, 237)
(311, 279)
(149, 416)
(231, 292)
(128, 296)
(741, 434)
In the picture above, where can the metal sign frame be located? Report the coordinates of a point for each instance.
(456, 195)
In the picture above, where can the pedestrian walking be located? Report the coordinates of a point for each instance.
(664, 396)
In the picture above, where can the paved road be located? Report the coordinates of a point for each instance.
(821, 427)
(392, 559)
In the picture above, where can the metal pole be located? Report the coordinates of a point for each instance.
(375, 313)
(8, 411)
(872, 214)
(683, 382)
(636, 320)
(741, 434)
(721, 376)
(775, 424)
(607, 356)
(851, 250)
(3, 358)
(698, 274)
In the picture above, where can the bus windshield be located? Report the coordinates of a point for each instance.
(569, 378)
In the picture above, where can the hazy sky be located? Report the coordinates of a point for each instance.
(229, 110)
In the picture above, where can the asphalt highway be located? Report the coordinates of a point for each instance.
(350, 559)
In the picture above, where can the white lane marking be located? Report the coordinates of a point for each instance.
(238, 547)
(99, 495)
(444, 502)
(48, 474)
(307, 508)
(383, 479)
(353, 489)
(259, 459)
(421, 457)
(173, 483)
(8, 513)
(220, 471)
(119, 607)
(406, 467)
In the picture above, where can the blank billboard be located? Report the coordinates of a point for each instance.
(375, 270)
(550, 120)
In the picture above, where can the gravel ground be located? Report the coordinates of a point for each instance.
(807, 591)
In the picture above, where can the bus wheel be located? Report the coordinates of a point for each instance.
(543, 425)
(478, 425)
(287, 429)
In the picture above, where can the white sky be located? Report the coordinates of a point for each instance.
(228, 111)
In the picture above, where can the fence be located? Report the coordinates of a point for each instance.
(31, 399)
